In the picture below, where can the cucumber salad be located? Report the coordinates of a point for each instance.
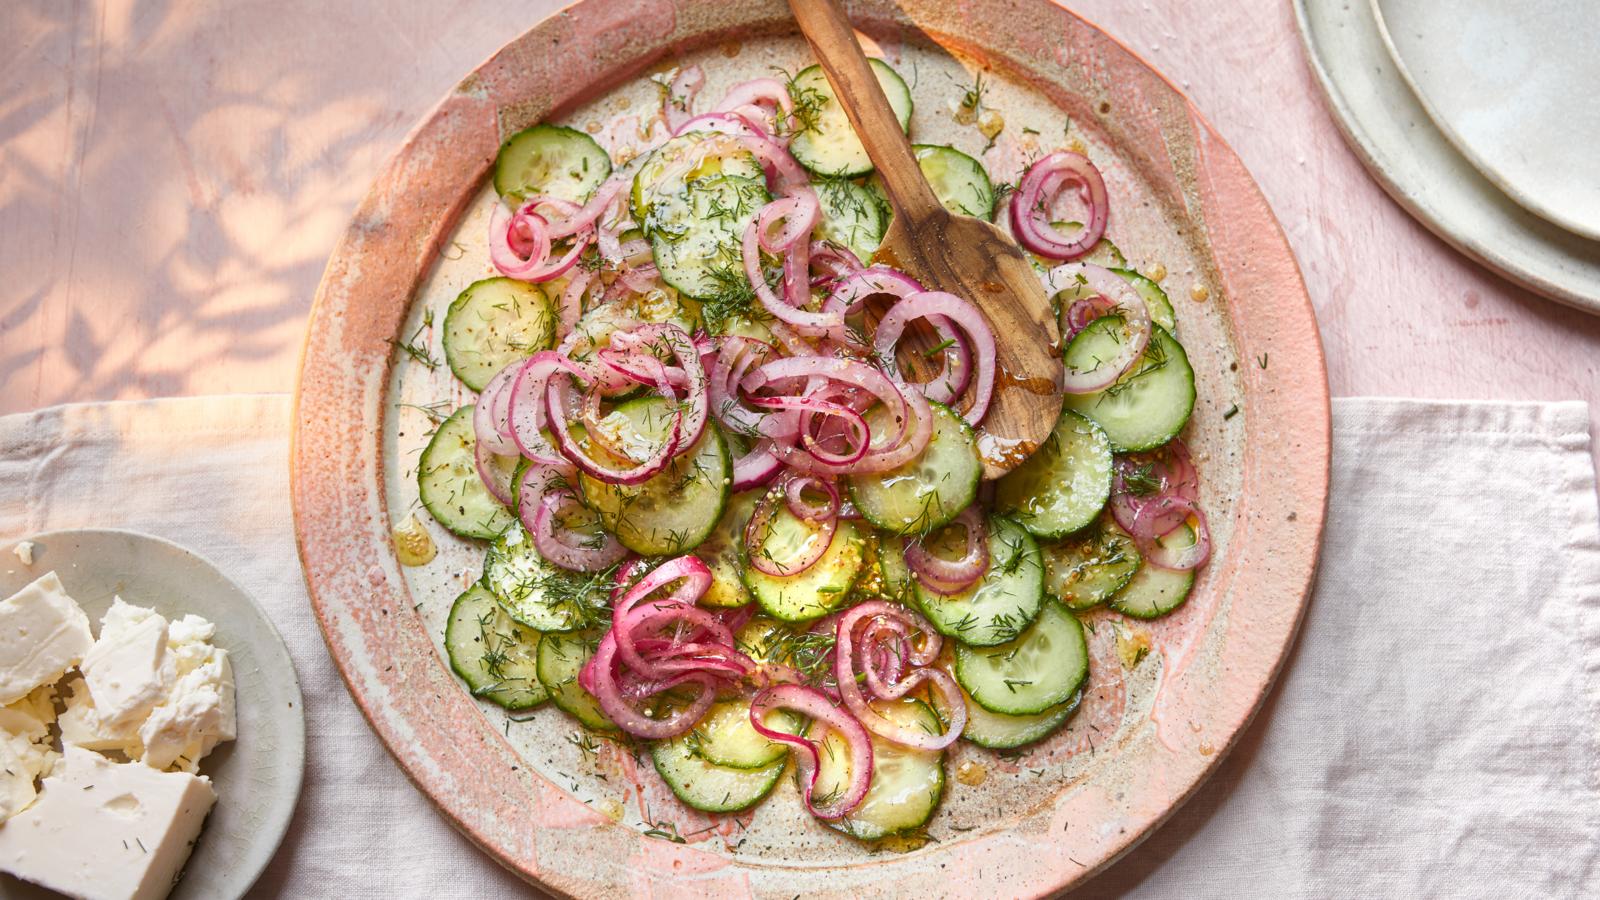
(722, 527)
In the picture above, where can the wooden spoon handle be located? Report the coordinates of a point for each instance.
(825, 25)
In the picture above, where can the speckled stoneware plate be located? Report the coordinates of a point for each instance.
(574, 821)
(257, 777)
(1510, 85)
(1399, 144)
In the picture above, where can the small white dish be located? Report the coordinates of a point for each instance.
(1511, 85)
(1395, 139)
(257, 777)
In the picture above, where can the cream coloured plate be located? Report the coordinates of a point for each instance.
(257, 777)
(1511, 85)
(1399, 144)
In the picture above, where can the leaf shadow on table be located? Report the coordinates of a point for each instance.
(173, 178)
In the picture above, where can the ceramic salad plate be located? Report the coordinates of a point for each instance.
(1164, 699)
(257, 777)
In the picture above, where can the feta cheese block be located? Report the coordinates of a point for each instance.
(43, 633)
(25, 749)
(107, 831)
(128, 669)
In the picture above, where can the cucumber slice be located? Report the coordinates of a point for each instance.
(820, 588)
(1150, 403)
(449, 484)
(1063, 486)
(696, 235)
(853, 216)
(539, 593)
(906, 783)
(552, 160)
(1004, 603)
(707, 786)
(674, 511)
(725, 736)
(1083, 572)
(721, 554)
(1104, 253)
(1155, 299)
(1039, 670)
(685, 160)
(826, 144)
(561, 658)
(958, 180)
(997, 731)
(930, 490)
(767, 641)
(494, 323)
(595, 327)
(1153, 592)
(494, 655)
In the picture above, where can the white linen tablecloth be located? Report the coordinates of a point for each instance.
(1435, 733)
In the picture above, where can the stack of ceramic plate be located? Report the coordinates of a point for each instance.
(1479, 117)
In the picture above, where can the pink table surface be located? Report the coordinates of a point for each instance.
(173, 177)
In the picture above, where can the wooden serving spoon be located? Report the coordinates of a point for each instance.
(947, 252)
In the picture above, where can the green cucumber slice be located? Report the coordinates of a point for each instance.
(552, 160)
(958, 180)
(494, 655)
(1155, 299)
(928, 491)
(1083, 571)
(725, 736)
(707, 786)
(853, 216)
(685, 160)
(1063, 486)
(1150, 403)
(907, 783)
(825, 143)
(1153, 592)
(696, 235)
(539, 593)
(675, 510)
(721, 553)
(820, 588)
(450, 487)
(1003, 603)
(997, 731)
(561, 658)
(1038, 670)
(494, 323)
(767, 641)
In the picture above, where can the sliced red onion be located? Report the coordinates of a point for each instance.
(491, 418)
(593, 552)
(1136, 325)
(527, 409)
(1173, 473)
(496, 478)
(919, 655)
(535, 233)
(947, 576)
(1156, 550)
(965, 316)
(599, 678)
(909, 410)
(676, 105)
(783, 171)
(766, 97)
(824, 715)
(1030, 210)
(805, 510)
(799, 216)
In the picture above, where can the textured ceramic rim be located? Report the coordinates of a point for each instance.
(277, 830)
(1425, 166)
(436, 731)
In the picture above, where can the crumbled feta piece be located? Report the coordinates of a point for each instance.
(24, 552)
(129, 670)
(25, 751)
(83, 726)
(43, 633)
(192, 720)
(105, 830)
